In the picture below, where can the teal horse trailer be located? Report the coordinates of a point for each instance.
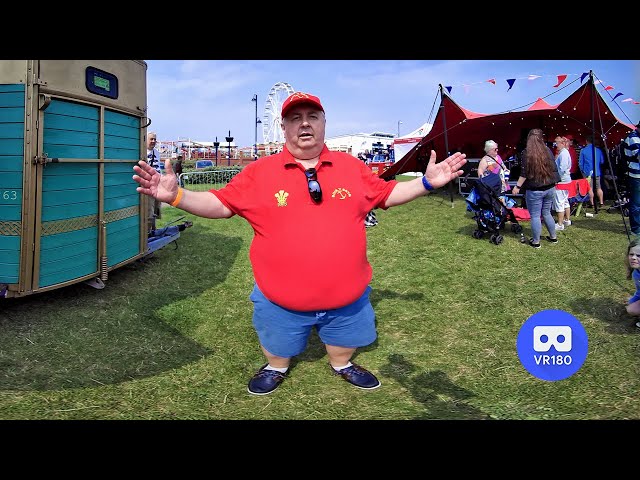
(70, 133)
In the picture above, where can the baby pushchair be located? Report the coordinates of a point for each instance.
(490, 213)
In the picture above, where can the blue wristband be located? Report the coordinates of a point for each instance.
(426, 184)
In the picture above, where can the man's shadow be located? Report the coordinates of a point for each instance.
(442, 399)
(315, 348)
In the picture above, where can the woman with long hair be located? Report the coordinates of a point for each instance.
(538, 178)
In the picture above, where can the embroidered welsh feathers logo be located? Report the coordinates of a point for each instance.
(282, 198)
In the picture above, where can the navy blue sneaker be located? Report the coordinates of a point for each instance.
(265, 381)
(358, 376)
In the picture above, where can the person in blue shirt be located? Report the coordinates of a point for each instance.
(633, 271)
(585, 160)
(631, 151)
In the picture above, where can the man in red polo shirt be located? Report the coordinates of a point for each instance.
(306, 206)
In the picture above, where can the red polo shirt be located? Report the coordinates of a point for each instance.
(307, 256)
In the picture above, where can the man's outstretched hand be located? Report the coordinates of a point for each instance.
(161, 187)
(439, 174)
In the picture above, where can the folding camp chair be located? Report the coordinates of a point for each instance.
(578, 194)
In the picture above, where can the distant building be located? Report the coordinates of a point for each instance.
(194, 149)
(356, 143)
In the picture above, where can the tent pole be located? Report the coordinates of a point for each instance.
(594, 176)
(446, 141)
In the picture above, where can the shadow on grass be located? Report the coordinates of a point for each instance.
(77, 336)
(441, 398)
(315, 348)
(594, 223)
(506, 231)
(608, 311)
(379, 295)
(600, 222)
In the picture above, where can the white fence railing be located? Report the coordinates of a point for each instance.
(204, 181)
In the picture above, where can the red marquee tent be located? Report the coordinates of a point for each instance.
(458, 129)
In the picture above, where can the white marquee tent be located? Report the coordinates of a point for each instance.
(402, 145)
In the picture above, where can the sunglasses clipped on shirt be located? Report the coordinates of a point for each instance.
(315, 192)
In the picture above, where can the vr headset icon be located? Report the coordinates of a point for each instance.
(544, 337)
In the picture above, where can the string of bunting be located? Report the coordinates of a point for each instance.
(560, 79)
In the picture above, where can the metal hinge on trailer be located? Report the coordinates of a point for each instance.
(42, 159)
(38, 81)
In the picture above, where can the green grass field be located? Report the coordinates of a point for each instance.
(171, 337)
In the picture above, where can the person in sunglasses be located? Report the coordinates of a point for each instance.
(309, 249)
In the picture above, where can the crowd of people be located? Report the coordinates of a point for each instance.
(544, 176)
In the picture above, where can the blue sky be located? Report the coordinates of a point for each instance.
(202, 99)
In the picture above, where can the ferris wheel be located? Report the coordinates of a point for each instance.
(271, 131)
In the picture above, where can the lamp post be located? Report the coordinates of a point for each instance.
(255, 145)
(399, 122)
(257, 122)
(216, 144)
(229, 139)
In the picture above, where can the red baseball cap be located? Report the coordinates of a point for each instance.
(297, 98)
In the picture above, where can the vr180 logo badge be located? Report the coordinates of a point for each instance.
(552, 345)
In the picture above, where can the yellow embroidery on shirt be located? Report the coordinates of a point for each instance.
(342, 193)
(282, 198)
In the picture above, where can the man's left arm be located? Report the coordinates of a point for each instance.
(436, 175)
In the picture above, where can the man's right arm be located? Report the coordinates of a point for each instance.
(165, 189)
(203, 204)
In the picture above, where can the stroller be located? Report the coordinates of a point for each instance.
(490, 213)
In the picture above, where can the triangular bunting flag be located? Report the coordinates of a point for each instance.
(617, 95)
(636, 103)
(448, 89)
(608, 87)
(492, 80)
(597, 82)
(510, 81)
(561, 78)
(533, 77)
(627, 100)
(582, 77)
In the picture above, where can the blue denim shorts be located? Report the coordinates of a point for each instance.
(284, 332)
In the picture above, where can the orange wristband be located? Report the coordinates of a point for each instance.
(176, 200)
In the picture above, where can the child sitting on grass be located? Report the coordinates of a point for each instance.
(633, 271)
